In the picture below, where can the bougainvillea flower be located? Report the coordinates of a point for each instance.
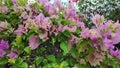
(14, 1)
(71, 28)
(21, 29)
(40, 17)
(112, 52)
(97, 19)
(95, 57)
(94, 34)
(4, 9)
(4, 44)
(108, 43)
(106, 34)
(70, 14)
(118, 54)
(73, 40)
(81, 24)
(57, 3)
(44, 2)
(50, 9)
(24, 16)
(3, 25)
(30, 23)
(45, 24)
(12, 55)
(115, 38)
(60, 27)
(115, 53)
(85, 33)
(53, 30)
(33, 42)
(2, 53)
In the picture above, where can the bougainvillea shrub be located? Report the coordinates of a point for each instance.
(42, 34)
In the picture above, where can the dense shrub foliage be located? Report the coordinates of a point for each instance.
(41, 34)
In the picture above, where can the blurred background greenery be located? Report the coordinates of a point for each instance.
(109, 8)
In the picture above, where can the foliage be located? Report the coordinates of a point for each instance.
(108, 8)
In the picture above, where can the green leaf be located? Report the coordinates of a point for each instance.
(27, 50)
(48, 66)
(41, 50)
(53, 40)
(67, 34)
(61, 37)
(22, 2)
(65, 22)
(51, 58)
(80, 46)
(89, 49)
(11, 61)
(56, 21)
(64, 64)
(3, 60)
(19, 61)
(45, 61)
(73, 52)
(38, 60)
(83, 66)
(24, 65)
(33, 30)
(55, 65)
(64, 47)
(18, 40)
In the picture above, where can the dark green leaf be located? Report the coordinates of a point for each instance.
(73, 52)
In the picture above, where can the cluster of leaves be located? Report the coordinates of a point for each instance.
(108, 8)
(56, 43)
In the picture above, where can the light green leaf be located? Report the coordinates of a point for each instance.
(64, 64)
(51, 58)
(64, 47)
(53, 41)
(80, 46)
(22, 2)
(27, 50)
(38, 60)
(11, 61)
(18, 40)
(24, 65)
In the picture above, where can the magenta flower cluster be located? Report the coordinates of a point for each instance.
(104, 34)
(4, 46)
